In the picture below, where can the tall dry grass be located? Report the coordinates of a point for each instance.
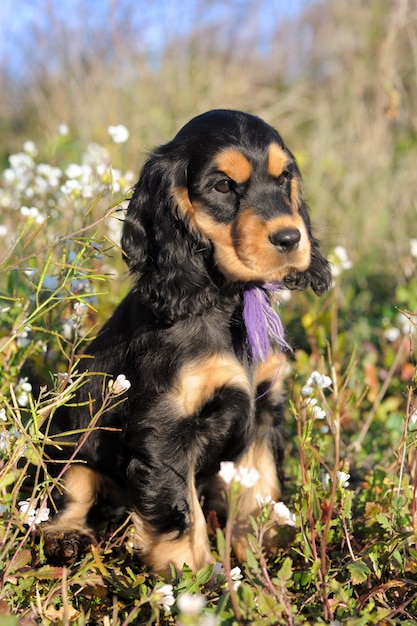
(337, 79)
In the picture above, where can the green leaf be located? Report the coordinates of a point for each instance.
(204, 575)
(8, 620)
(221, 543)
(384, 522)
(358, 571)
(285, 571)
(9, 479)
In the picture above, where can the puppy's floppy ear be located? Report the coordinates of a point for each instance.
(318, 275)
(167, 256)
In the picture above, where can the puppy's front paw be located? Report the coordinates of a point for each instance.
(66, 546)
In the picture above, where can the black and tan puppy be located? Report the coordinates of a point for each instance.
(217, 213)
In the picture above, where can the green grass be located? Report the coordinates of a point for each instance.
(351, 556)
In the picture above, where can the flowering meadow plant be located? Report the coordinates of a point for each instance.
(345, 530)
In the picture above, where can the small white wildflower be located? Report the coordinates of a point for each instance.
(413, 417)
(32, 213)
(236, 576)
(262, 501)
(191, 603)
(227, 471)
(71, 186)
(25, 385)
(23, 339)
(318, 413)
(283, 515)
(30, 148)
(343, 479)
(392, 334)
(121, 384)
(24, 388)
(284, 295)
(32, 516)
(339, 261)
(21, 163)
(165, 596)
(319, 380)
(247, 477)
(119, 133)
(413, 247)
(80, 309)
(3, 230)
(63, 129)
(74, 170)
(3, 416)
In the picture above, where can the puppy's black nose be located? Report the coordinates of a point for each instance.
(286, 240)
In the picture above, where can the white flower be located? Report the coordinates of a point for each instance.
(392, 334)
(339, 261)
(121, 384)
(23, 339)
(119, 133)
(343, 479)
(80, 308)
(283, 515)
(227, 471)
(165, 597)
(33, 213)
(71, 186)
(32, 516)
(318, 412)
(191, 603)
(21, 162)
(3, 416)
(413, 247)
(413, 417)
(245, 476)
(23, 388)
(63, 129)
(262, 501)
(307, 390)
(236, 576)
(25, 385)
(30, 148)
(319, 380)
(3, 230)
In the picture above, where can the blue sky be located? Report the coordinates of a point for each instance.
(18, 18)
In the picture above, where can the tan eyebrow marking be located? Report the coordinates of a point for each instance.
(277, 160)
(234, 164)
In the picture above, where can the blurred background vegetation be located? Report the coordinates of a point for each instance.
(338, 80)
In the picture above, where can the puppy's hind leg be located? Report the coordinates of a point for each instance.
(67, 536)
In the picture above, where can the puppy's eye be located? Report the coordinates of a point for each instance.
(284, 177)
(223, 186)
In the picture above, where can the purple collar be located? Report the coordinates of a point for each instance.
(262, 321)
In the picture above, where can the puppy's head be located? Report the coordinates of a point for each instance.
(224, 195)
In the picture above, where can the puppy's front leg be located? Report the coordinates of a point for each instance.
(205, 417)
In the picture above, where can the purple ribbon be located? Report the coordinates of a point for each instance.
(262, 321)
